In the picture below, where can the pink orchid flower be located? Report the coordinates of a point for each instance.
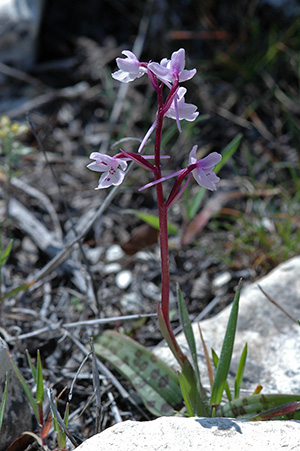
(204, 169)
(170, 71)
(183, 110)
(129, 68)
(112, 174)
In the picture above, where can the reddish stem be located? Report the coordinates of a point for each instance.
(163, 230)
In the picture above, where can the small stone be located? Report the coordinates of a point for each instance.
(112, 268)
(221, 279)
(151, 290)
(132, 303)
(201, 287)
(114, 253)
(124, 279)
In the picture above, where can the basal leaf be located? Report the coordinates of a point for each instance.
(155, 382)
(247, 407)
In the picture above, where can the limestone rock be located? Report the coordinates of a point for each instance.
(273, 339)
(17, 414)
(213, 434)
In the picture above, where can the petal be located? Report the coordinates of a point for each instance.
(104, 159)
(96, 167)
(210, 161)
(107, 179)
(130, 55)
(181, 92)
(124, 77)
(193, 155)
(163, 73)
(187, 111)
(178, 61)
(208, 181)
(186, 74)
(122, 164)
(128, 65)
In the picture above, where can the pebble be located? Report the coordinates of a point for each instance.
(132, 303)
(114, 253)
(124, 279)
(221, 279)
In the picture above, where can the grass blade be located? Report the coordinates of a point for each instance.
(226, 352)
(22, 381)
(239, 374)
(3, 402)
(207, 359)
(5, 254)
(200, 399)
(32, 367)
(216, 360)
(39, 380)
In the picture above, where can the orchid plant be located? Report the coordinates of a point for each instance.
(168, 76)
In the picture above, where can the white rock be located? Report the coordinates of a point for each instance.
(273, 339)
(196, 434)
(114, 253)
(123, 279)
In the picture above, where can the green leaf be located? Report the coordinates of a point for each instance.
(22, 381)
(154, 381)
(186, 390)
(39, 381)
(226, 352)
(5, 254)
(216, 360)
(3, 402)
(22, 287)
(199, 398)
(239, 374)
(247, 407)
(153, 221)
(281, 411)
(32, 367)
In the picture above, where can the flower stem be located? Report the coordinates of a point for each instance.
(163, 234)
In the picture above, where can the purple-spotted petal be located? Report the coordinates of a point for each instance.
(108, 179)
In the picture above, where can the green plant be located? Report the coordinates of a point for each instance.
(37, 402)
